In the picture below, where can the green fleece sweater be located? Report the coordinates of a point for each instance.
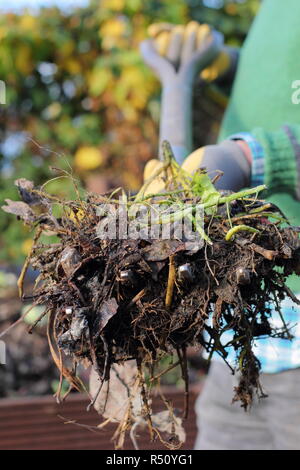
(261, 101)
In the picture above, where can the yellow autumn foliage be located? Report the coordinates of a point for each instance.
(88, 158)
(76, 217)
(26, 246)
(23, 60)
(3, 32)
(113, 27)
(113, 33)
(28, 22)
(67, 48)
(73, 66)
(114, 5)
(52, 111)
(99, 80)
(133, 89)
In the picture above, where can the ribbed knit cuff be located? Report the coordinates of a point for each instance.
(280, 162)
(257, 153)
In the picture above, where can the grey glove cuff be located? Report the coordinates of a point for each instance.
(229, 158)
(175, 121)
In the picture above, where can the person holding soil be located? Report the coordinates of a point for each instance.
(259, 143)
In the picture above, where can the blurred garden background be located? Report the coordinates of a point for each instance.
(78, 97)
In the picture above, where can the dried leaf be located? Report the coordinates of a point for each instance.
(120, 393)
(162, 249)
(165, 421)
(69, 260)
(20, 209)
(108, 309)
(25, 188)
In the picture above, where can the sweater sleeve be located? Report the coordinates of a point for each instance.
(280, 166)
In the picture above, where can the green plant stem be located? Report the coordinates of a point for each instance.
(235, 196)
(239, 228)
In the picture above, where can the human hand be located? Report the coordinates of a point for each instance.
(230, 158)
(189, 49)
(178, 53)
(164, 33)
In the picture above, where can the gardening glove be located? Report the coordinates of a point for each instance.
(230, 157)
(224, 65)
(186, 56)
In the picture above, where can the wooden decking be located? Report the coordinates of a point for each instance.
(34, 423)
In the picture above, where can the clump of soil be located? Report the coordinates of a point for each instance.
(111, 301)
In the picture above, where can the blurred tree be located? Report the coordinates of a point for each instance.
(79, 96)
